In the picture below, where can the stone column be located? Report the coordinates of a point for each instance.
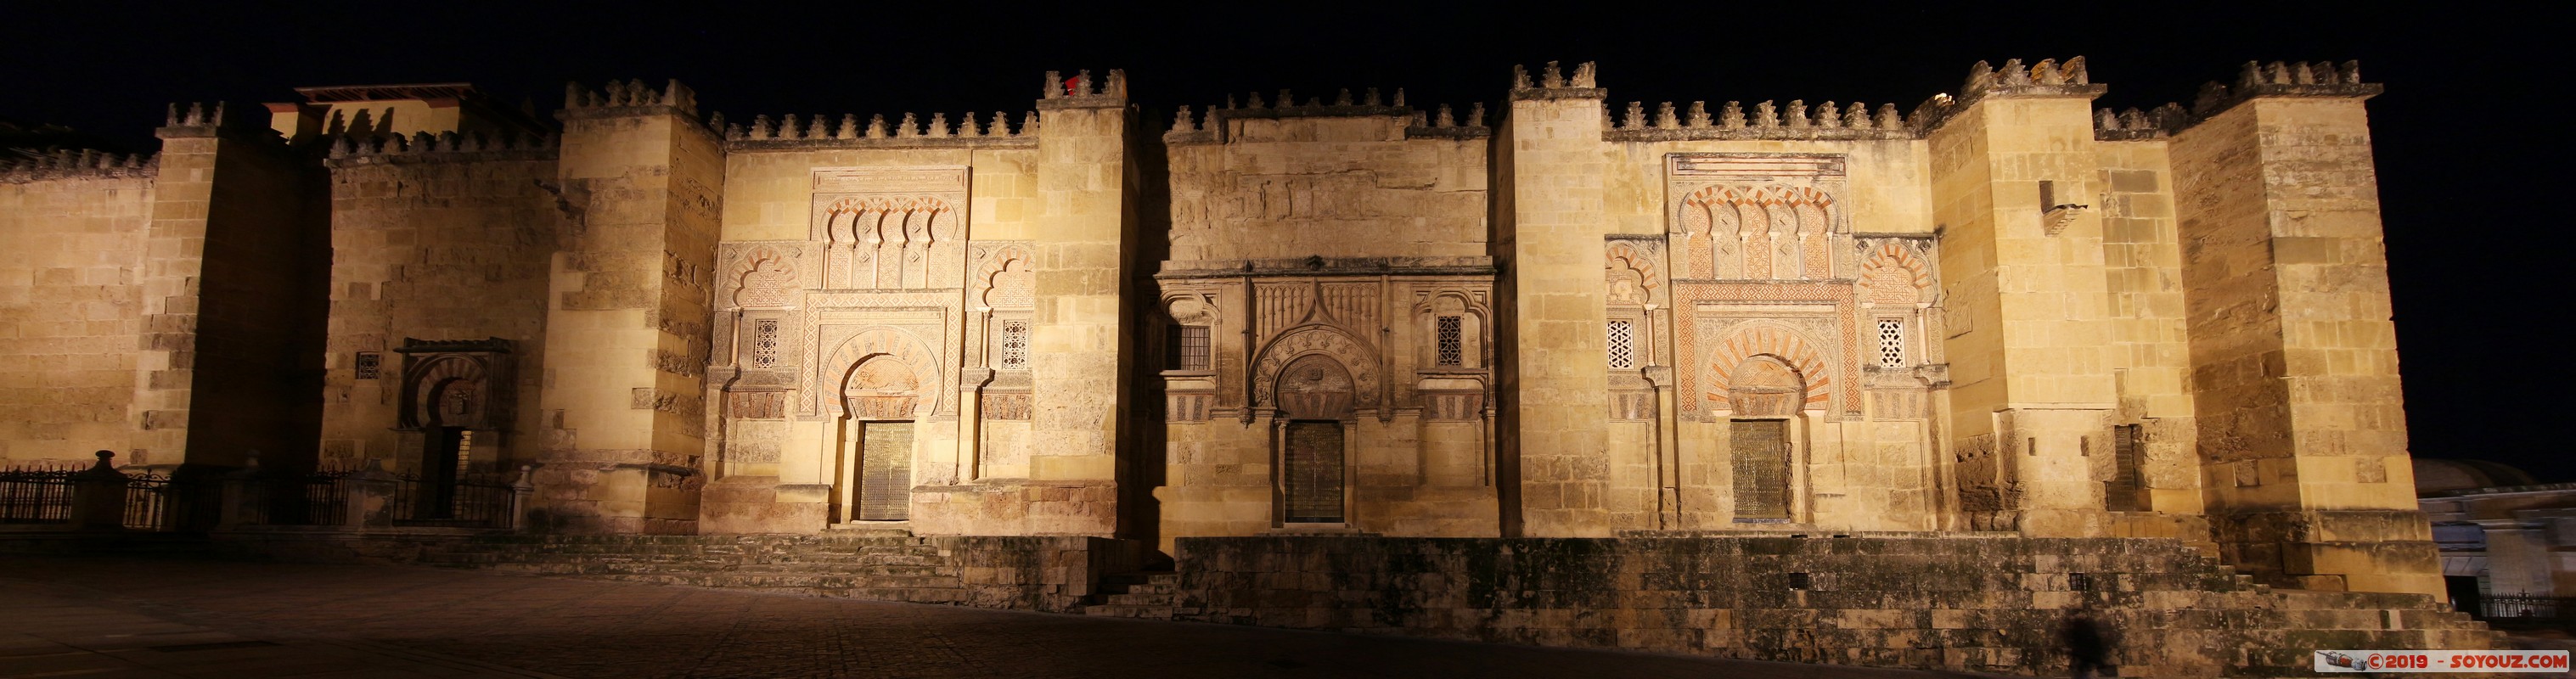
(1554, 460)
(2013, 173)
(1077, 353)
(627, 312)
(2293, 354)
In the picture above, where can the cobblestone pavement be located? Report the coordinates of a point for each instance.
(119, 617)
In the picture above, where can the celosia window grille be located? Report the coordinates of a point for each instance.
(764, 343)
(1623, 345)
(1015, 345)
(1891, 343)
(1452, 340)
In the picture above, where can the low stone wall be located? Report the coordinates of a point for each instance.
(1957, 602)
(1024, 573)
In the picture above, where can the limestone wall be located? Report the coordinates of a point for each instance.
(1554, 383)
(1083, 259)
(1862, 450)
(1328, 242)
(1290, 186)
(2032, 367)
(2301, 421)
(234, 297)
(436, 247)
(626, 328)
(2142, 259)
(793, 254)
(71, 264)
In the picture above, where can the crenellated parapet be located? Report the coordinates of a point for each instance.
(2135, 124)
(632, 97)
(1765, 121)
(30, 166)
(846, 131)
(2285, 79)
(2048, 78)
(203, 119)
(2256, 79)
(1081, 91)
(1444, 122)
(360, 149)
(1553, 83)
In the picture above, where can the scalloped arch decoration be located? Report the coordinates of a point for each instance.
(871, 344)
(1789, 346)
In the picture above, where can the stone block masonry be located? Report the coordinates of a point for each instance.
(1983, 602)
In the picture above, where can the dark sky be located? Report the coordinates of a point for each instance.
(2469, 139)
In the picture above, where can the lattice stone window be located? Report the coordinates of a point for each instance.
(1453, 350)
(1015, 344)
(1623, 345)
(369, 365)
(1891, 343)
(764, 343)
(1189, 347)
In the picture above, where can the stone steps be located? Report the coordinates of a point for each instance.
(1135, 595)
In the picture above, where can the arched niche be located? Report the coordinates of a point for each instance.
(1766, 386)
(1316, 387)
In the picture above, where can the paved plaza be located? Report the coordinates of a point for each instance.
(98, 618)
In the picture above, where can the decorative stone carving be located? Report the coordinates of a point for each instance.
(458, 384)
(1315, 340)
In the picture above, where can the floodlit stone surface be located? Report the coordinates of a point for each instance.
(1557, 315)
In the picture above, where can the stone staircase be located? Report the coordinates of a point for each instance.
(1142, 594)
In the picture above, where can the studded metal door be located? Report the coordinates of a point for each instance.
(885, 472)
(1314, 472)
(1760, 450)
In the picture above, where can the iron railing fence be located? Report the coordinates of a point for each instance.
(471, 501)
(159, 502)
(36, 496)
(2528, 608)
(312, 499)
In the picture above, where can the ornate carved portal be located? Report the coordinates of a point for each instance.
(1763, 387)
(878, 396)
(1760, 452)
(1313, 477)
(885, 472)
(455, 398)
(1316, 402)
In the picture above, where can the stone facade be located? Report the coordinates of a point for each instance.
(1999, 311)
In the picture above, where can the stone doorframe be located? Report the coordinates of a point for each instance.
(460, 385)
(1314, 387)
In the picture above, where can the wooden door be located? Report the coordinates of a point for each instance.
(885, 471)
(1314, 472)
(1760, 452)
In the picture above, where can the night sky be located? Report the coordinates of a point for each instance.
(2470, 136)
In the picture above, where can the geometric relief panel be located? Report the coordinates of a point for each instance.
(1819, 316)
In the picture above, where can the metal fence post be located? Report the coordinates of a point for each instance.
(240, 488)
(371, 497)
(519, 492)
(98, 496)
